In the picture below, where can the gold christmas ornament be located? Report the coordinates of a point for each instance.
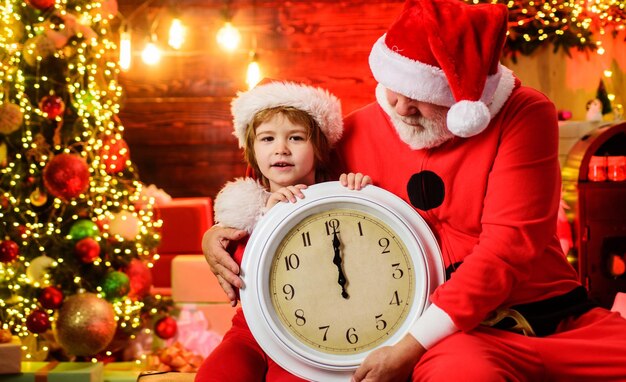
(38, 198)
(10, 118)
(85, 324)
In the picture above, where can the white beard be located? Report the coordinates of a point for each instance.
(417, 132)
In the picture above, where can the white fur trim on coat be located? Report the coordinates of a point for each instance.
(324, 107)
(240, 204)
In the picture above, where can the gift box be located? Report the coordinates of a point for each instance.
(58, 372)
(122, 371)
(185, 220)
(193, 281)
(11, 356)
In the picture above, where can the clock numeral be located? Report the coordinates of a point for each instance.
(360, 229)
(384, 244)
(395, 299)
(306, 238)
(325, 329)
(288, 291)
(397, 272)
(332, 226)
(351, 336)
(380, 323)
(292, 261)
(300, 320)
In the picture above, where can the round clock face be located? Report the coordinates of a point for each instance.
(336, 275)
(315, 307)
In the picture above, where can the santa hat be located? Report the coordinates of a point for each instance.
(324, 107)
(446, 52)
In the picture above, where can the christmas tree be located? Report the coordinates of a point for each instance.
(78, 233)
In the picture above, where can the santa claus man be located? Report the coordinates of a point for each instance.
(454, 133)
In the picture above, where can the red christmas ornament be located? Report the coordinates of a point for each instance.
(66, 176)
(87, 250)
(38, 321)
(8, 251)
(53, 105)
(140, 277)
(50, 297)
(41, 4)
(114, 154)
(166, 327)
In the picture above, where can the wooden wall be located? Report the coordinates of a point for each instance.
(177, 115)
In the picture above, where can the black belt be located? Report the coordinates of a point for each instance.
(541, 318)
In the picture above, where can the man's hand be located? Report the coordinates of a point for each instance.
(214, 243)
(286, 194)
(354, 181)
(391, 363)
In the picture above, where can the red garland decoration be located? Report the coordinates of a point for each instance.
(66, 176)
(8, 251)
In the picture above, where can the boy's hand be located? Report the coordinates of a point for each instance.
(286, 194)
(354, 181)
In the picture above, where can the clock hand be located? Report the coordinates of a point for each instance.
(337, 260)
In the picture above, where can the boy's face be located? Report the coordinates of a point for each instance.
(284, 153)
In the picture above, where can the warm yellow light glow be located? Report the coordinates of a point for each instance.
(228, 37)
(177, 34)
(611, 97)
(608, 73)
(253, 74)
(125, 50)
(151, 54)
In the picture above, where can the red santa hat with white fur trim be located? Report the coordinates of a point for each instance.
(446, 52)
(324, 107)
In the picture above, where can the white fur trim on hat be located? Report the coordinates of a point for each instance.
(324, 107)
(417, 80)
(240, 204)
(501, 94)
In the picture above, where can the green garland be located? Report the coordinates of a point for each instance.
(528, 29)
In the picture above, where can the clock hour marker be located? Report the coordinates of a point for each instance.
(306, 238)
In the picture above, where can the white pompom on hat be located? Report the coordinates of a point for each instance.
(447, 52)
(324, 107)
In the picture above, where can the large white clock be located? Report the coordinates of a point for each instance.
(336, 275)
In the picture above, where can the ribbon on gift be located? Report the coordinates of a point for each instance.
(174, 358)
(192, 331)
(41, 375)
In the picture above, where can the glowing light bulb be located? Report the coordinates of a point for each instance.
(253, 74)
(608, 73)
(125, 50)
(228, 37)
(151, 54)
(177, 34)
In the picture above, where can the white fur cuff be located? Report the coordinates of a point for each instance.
(240, 204)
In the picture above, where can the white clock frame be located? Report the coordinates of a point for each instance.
(264, 323)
